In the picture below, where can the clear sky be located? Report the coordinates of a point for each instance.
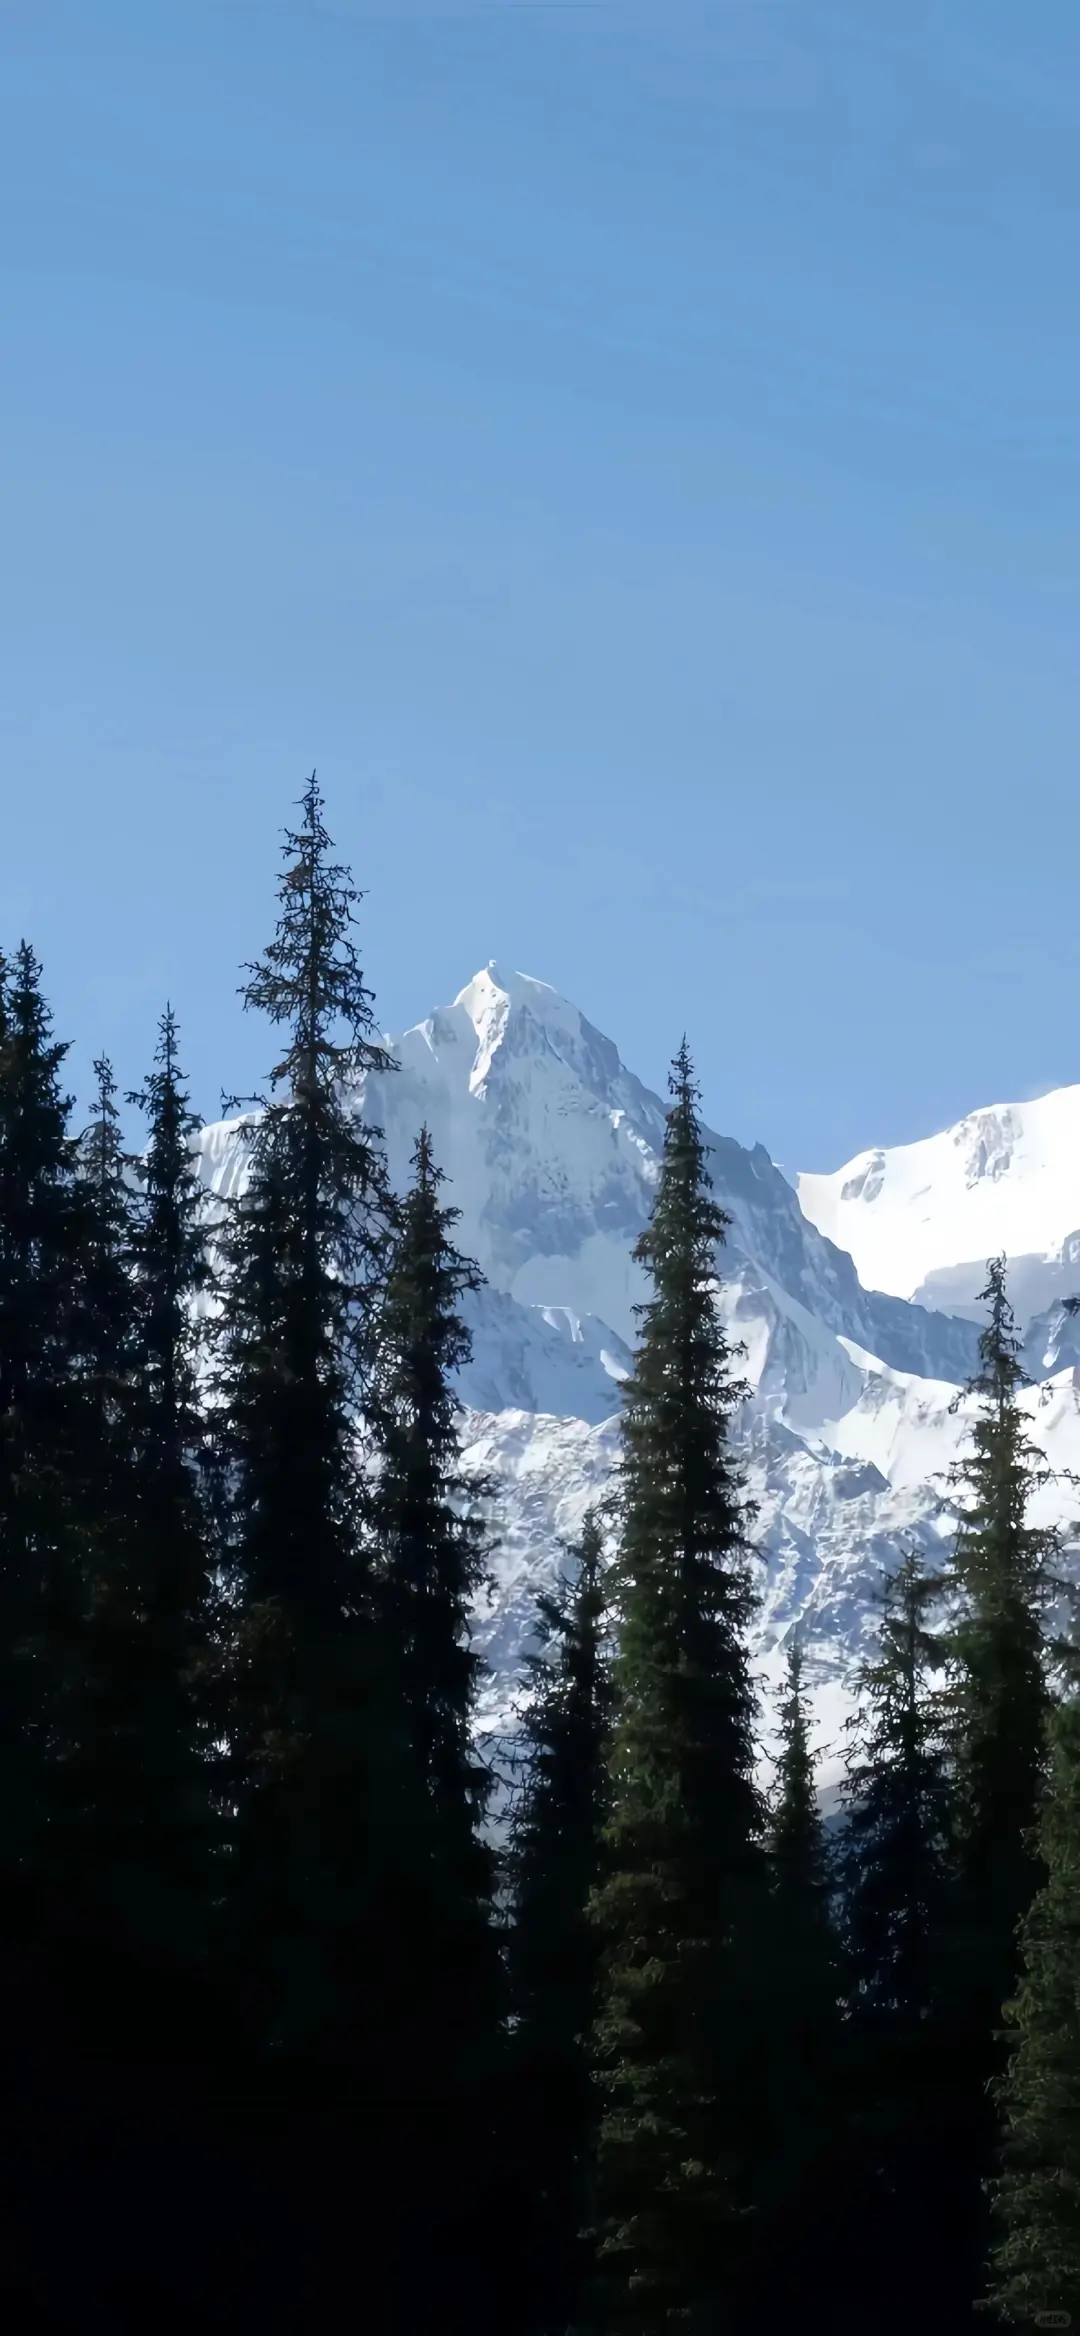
(631, 449)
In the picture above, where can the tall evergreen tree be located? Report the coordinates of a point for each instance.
(307, 1723)
(41, 1242)
(555, 1868)
(899, 2250)
(798, 1849)
(432, 1541)
(96, 1784)
(132, 1827)
(432, 1535)
(1036, 2260)
(174, 1280)
(70, 2132)
(681, 1901)
(798, 2195)
(1004, 1579)
(155, 1641)
(178, 1596)
(41, 1236)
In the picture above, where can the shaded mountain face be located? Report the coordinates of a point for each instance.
(552, 1148)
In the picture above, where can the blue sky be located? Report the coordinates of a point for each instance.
(631, 449)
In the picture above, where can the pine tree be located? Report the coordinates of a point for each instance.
(1036, 2261)
(307, 1726)
(800, 2181)
(899, 2251)
(681, 1900)
(1004, 1579)
(554, 1945)
(433, 1548)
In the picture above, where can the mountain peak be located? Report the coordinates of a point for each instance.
(495, 982)
(496, 998)
(921, 1219)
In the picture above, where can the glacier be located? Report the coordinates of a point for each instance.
(551, 1147)
(920, 1220)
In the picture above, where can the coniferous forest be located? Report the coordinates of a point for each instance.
(294, 2034)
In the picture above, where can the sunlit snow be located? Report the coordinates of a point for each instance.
(552, 1150)
(922, 1219)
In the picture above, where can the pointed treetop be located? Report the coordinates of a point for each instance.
(426, 1171)
(681, 1081)
(422, 1209)
(161, 1093)
(1001, 1375)
(30, 1021)
(1003, 1466)
(103, 1144)
(581, 1595)
(310, 979)
(797, 1838)
(684, 1136)
(167, 1041)
(684, 1207)
(999, 1346)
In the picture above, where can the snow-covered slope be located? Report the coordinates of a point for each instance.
(552, 1149)
(921, 1220)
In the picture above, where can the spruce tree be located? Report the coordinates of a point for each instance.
(1036, 2259)
(131, 1790)
(307, 1726)
(433, 1546)
(59, 1487)
(432, 1536)
(96, 1783)
(42, 1230)
(178, 1593)
(899, 2249)
(800, 2181)
(1003, 1578)
(554, 1945)
(680, 1904)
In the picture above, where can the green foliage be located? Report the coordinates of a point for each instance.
(95, 1782)
(431, 1533)
(179, 1597)
(798, 1851)
(1005, 1575)
(554, 1945)
(1003, 1581)
(894, 1885)
(899, 1806)
(306, 1712)
(682, 1843)
(249, 1892)
(1036, 2261)
(798, 2183)
(42, 1228)
(443, 2031)
(130, 1836)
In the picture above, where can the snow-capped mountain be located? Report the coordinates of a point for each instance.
(921, 1220)
(552, 1149)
